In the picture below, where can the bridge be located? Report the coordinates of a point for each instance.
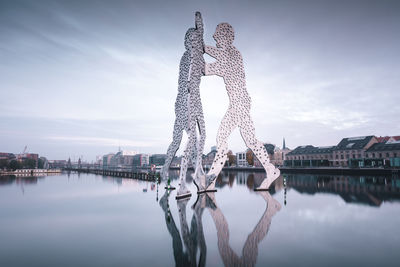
(139, 175)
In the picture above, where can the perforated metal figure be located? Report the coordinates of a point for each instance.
(188, 108)
(229, 65)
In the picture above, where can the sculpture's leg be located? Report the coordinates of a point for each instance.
(186, 237)
(228, 124)
(199, 175)
(247, 131)
(183, 190)
(180, 257)
(197, 217)
(193, 155)
(173, 147)
(229, 257)
(250, 248)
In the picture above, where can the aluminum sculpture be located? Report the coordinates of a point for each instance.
(189, 110)
(229, 65)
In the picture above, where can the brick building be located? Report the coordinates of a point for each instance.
(310, 156)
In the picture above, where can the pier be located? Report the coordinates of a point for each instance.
(139, 175)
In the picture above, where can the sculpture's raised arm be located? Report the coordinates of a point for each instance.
(199, 22)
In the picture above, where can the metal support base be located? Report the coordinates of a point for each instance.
(206, 191)
(261, 189)
(187, 195)
(170, 188)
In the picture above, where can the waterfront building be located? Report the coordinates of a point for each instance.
(383, 154)
(275, 154)
(140, 160)
(209, 158)
(57, 164)
(285, 150)
(122, 159)
(7, 156)
(350, 152)
(24, 157)
(241, 159)
(176, 162)
(157, 159)
(310, 156)
(107, 160)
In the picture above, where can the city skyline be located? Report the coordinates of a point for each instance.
(80, 78)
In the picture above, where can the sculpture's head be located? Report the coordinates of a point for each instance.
(189, 38)
(224, 35)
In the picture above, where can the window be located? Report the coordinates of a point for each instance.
(354, 156)
(394, 155)
(337, 156)
(387, 155)
(380, 155)
(341, 156)
(373, 155)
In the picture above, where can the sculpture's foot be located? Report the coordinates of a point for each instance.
(182, 205)
(200, 203)
(199, 182)
(210, 183)
(183, 192)
(271, 177)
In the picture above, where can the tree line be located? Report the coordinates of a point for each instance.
(24, 164)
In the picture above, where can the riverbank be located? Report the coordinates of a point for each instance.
(30, 172)
(322, 170)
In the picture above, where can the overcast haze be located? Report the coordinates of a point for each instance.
(84, 77)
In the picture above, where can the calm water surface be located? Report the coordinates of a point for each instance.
(306, 220)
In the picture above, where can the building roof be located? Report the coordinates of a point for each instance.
(4, 155)
(351, 143)
(384, 139)
(309, 149)
(270, 148)
(384, 147)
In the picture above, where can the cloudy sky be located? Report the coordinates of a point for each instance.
(84, 77)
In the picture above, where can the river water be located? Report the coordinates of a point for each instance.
(305, 220)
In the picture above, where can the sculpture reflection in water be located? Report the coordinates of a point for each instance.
(193, 238)
(229, 65)
(250, 248)
(188, 108)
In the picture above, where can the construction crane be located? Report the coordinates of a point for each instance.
(25, 148)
